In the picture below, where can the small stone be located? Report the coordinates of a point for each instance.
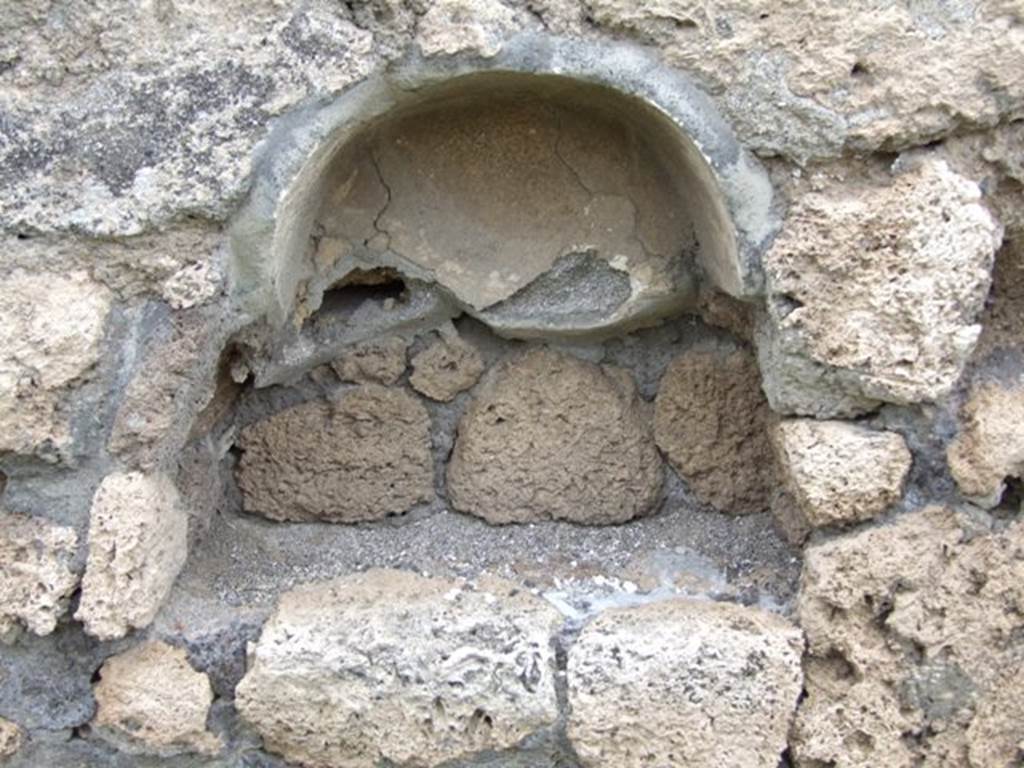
(149, 700)
(363, 457)
(454, 26)
(448, 366)
(683, 683)
(10, 738)
(388, 666)
(550, 436)
(711, 420)
(989, 448)
(381, 361)
(36, 580)
(193, 285)
(840, 473)
(874, 292)
(138, 542)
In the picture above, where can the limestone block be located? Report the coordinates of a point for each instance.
(36, 580)
(381, 361)
(711, 421)
(138, 542)
(389, 666)
(553, 437)
(51, 327)
(840, 473)
(989, 448)
(150, 700)
(363, 457)
(874, 292)
(448, 366)
(911, 631)
(683, 682)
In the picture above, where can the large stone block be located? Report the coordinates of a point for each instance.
(683, 683)
(36, 580)
(388, 666)
(550, 436)
(149, 700)
(362, 457)
(138, 542)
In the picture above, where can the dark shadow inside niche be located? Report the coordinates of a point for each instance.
(1011, 503)
(381, 285)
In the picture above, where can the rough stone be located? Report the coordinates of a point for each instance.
(840, 473)
(138, 535)
(683, 682)
(989, 449)
(363, 457)
(711, 420)
(455, 26)
(874, 292)
(192, 285)
(51, 326)
(150, 700)
(448, 366)
(10, 738)
(550, 436)
(334, 680)
(36, 580)
(913, 632)
(381, 361)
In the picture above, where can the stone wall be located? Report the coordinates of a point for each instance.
(523, 384)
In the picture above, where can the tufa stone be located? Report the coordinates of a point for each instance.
(448, 366)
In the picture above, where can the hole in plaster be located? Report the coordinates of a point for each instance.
(384, 286)
(1012, 501)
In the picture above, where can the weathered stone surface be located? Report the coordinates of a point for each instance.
(711, 420)
(391, 666)
(10, 738)
(840, 473)
(362, 457)
(989, 448)
(683, 682)
(51, 326)
(192, 285)
(455, 26)
(150, 700)
(874, 292)
(36, 580)
(551, 436)
(448, 366)
(913, 632)
(381, 361)
(138, 535)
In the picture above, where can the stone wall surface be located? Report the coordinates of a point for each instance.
(511, 384)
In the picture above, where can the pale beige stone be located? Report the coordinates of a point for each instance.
(874, 292)
(989, 447)
(711, 420)
(840, 473)
(683, 682)
(363, 457)
(51, 328)
(392, 666)
(456, 26)
(550, 436)
(150, 700)
(448, 366)
(911, 630)
(381, 361)
(36, 580)
(10, 738)
(138, 542)
(193, 285)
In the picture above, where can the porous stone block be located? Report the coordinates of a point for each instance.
(150, 700)
(550, 436)
(448, 366)
(711, 421)
(363, 457)
(840, 473)
(388, 666)
(874, 292)
(989, 447)
(138, 542)
(36, 580)
(913, 656)
(683, 683)
(381, 361)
